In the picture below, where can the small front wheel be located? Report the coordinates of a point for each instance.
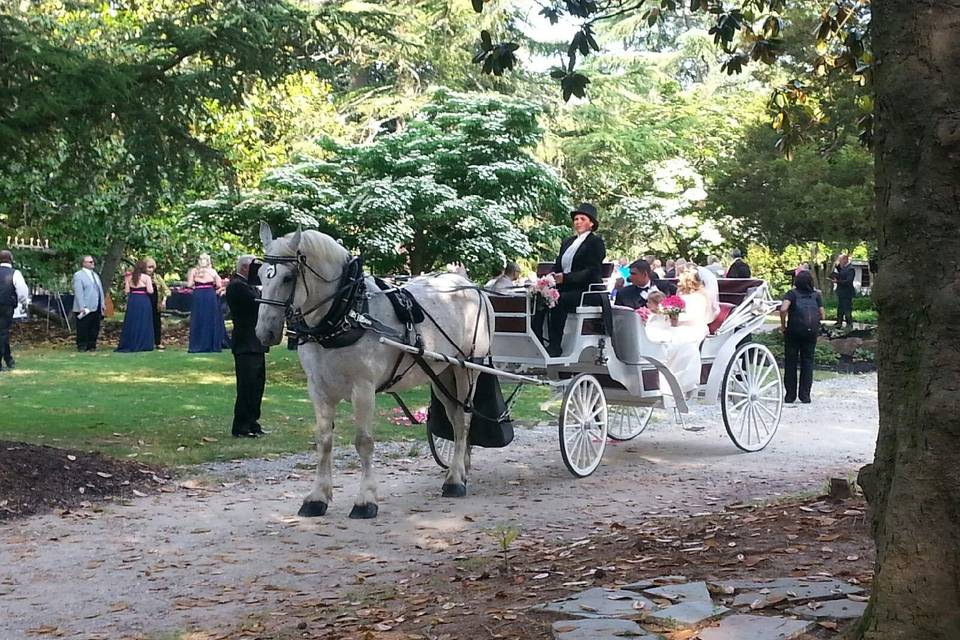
(440, 448)
(626, 423)
(752, 397)
(583, 425)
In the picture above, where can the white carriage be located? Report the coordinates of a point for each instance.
(615, 375)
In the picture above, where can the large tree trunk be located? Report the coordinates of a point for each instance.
(914, 484)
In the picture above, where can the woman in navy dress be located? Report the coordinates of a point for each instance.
(137, 333)
(207, 331)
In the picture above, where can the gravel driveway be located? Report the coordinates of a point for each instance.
(228, 544)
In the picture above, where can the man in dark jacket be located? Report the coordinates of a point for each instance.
(643, 282)
(738, 268)
(844, 275)
(248, 353)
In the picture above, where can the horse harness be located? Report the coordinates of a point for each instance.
(349, 317)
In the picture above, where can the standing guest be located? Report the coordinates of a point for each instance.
(670, 271)
(844, 275)
(505, 281)
(88, 305)
(207, 331)
(13, 293)
(658, 268)
(578, 265)
(713, 264)
(800, 314)
(137, 332)
(738, 268)
(643, 282)
(623, 268)
(158, 298)
(248, 353)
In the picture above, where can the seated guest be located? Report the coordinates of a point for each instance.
(578, 265)
(507, 278)
(643, 282)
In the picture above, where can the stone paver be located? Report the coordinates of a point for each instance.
(741, 627)
(687, 614)
(660, 581)
(689, 592)
(600, 629)
(797, 591)
(831, 610)
(601, 603)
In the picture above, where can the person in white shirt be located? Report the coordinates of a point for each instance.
(507, 278)
(88, 305)
(13, 293)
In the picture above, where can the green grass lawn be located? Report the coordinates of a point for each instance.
(173, 408)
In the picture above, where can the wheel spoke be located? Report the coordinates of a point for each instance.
(762, 407)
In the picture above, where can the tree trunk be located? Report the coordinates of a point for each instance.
(108, 269)
(913, 486)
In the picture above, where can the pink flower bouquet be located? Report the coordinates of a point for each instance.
(546, 288)
(644, 313)
(672, 306)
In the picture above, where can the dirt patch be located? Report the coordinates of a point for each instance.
(37, 479)
(489, 592)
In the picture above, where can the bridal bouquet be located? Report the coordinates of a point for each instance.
(546, 288)
(671, 306)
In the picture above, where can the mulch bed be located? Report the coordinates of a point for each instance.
(480, 594)
(36, 333)
(38, 479)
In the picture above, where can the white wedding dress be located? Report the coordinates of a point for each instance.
(683, 342)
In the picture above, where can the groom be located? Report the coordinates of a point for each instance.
(643, 282)
(248, 352)
(88, 305)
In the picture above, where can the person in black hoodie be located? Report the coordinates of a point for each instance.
(248, 352)
(578, 265)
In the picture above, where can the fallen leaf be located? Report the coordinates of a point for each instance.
(104, 474)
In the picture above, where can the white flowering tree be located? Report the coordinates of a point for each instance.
(456, 184)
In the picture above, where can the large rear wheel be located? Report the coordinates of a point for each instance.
(583, 425)
(752, 397)
(626, 423)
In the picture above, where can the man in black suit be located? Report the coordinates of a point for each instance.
(738, 268)
(578, 265)
(643, 282)
(843, 277)
(248, 353)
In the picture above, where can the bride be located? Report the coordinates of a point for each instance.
(683, 350)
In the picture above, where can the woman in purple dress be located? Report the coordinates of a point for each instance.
(137, 332)
(207, 331)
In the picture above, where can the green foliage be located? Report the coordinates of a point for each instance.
(823, 355)
(457, 184)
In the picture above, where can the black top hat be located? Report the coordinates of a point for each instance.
(588, 210)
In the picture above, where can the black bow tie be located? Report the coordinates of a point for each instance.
(644, 288)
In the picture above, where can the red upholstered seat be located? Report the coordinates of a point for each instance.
(725, 309)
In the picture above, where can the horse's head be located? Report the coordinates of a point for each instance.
(291, 283)
(279, 280)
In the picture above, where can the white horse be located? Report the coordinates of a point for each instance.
(304, 275)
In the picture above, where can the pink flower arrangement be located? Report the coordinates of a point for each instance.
(644, 313)
(546, 287)
(672, 305)
(397, 417)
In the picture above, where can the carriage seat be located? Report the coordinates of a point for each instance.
(725, 309)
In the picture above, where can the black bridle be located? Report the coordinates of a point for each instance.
(348, 299)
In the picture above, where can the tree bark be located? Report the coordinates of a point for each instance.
(108, 269)
(913, 486)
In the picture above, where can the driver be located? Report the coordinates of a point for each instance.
(578, 265)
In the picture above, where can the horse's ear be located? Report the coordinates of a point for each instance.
(295, 239)
(266, 235)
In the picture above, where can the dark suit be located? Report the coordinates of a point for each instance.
(585, 269)
(249, 362)
(738, 269)
(844, 277)
(635, 297)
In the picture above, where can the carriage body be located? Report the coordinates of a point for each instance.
(609, 358)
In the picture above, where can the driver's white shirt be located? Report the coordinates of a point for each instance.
(566, 260)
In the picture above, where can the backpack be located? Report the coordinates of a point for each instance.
(804, 318)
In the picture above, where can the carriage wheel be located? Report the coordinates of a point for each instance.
(440, 448)
(583, 425)
(626, 423)
(752, 397)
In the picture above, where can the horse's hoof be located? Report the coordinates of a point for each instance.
(312, 508)
(454, 490)
(364, 511)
